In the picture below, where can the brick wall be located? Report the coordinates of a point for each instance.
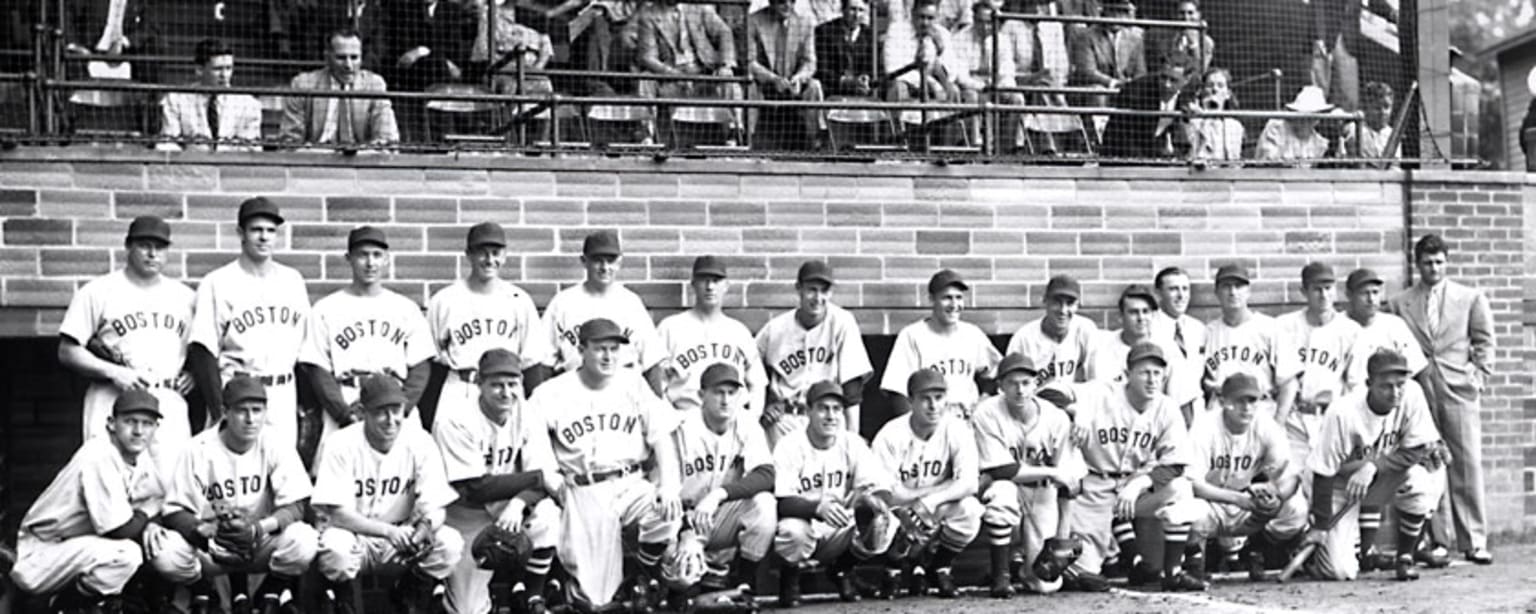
(884, 228)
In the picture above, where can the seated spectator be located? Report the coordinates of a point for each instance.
(338, 121)
(1215, 138)
(113, 27)
(781, 57)
(602, 34)
(970, 64)
(845, 53)
(1108, 55)
(223, 118)
(505, 45)
(1147, 136)
(1191, 48)
(1296, 139)
(429, 41)
(1041, 59)
(1376, 105)
(919, 43)
(685, 39)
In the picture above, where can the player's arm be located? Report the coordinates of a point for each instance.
(416, 378)
(204, 367)
(77, 358)
(283, 516)
(535, 375)
(492, 488)
(348, 519)
(656, 377)
(322, 384)
(759, 479)
(1286, 401)
(853, 390)
(900, 405)
(195, 531)
(1216, 494)
(1023, 474)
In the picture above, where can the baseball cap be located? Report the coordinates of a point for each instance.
(1145, 350)
(944, 279)
(259, 206)
(1232, 272)
(136, 400)
(1140, 291)
(500, 361)
(366, 234)
(149, 227)
(1063, 285)
(599, 329)
(1386, 361)
(1316, 273)
(380, 391)
(1016, 362)
(485, 233)
(923, 380)
(601, 243)
(1361, 277)
(1241, 385)
(243, 388)
(815, 270)
(823, 389)
(719, 373)
(708, 266)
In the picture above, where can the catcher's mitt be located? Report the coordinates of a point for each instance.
(1054, 558)
(1265, 501)
(421, 543)
(496, 548)
(235, 539)
(685, 564)
(876, 538)
(916, 530)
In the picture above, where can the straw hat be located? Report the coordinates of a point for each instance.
(1310, 99)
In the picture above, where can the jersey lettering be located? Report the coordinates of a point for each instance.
(464, 333)
(233, 488)
(1064, 369)
(140, 320)
(953, 366)
(598, 422)
(1229, 461)
(803, 357)
(263, 315)
(828, 480)
(685, 359)
(1124, 434)
(712, 463)
(1030, 455)
(1236, 353)
(1315, 356)
(1387, 441)
(925, 469)
(500, 457)
(369, 328)
(382, 486)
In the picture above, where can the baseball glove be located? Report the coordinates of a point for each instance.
(1054, 558)
(421, 543)
(685, 564)
(875, 539)
(916, 528)
(235, 538)
(1265, 501)
(496, 548)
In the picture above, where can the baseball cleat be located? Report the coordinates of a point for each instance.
(789, 586)
(1406, 569)
(1372, 559)
(1184, 583)
(1433, 557)
(1082, 582)
(944, 581)
(847, 588)
(890, 584)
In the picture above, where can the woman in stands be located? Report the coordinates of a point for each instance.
(1215, 138)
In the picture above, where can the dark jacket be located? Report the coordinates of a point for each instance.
(836, 57)
(1133, 135)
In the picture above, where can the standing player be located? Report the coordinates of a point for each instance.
(1378, 331)
(607, 426)
(932, 455)
(1174, 323)
(364, 329)
(1324, 342)
(817, 341)
(1107, 352)
(945, 343)
(380, 493)
(230, 480)
(1377, 445)
(250, 319)
(479, 313)
(129, 329)
(1029, 468)
(498, 460)
(1245, 341)
(1057, 342)
(601, 295)
(831, 493)
(704, 336)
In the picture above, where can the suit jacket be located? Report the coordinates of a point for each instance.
(1096, 59)
(185, 115)
(448, 33)
(1460, 348)
(836, 56)
(765, 58)
(713, 44)
(373, 119)
(1135, 135)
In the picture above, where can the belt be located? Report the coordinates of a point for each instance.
(468, 376)
(280, 379)
(1112, 475)
(588, 479)
(1311, 409)
(163, 383)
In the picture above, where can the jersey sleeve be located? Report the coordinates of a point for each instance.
(551, 324)
(757, 378)
(987, 356)
(884, 448)
(868, 473)
(1331, 447)
(106, 497)
(962, 449)
(992, 451)
(852, 359)
(1173, 438)
(437, 323)
(81, 316)
(1277, 450)
(206, 316)
(1417, 428)
(1287, 362)
(1068, 457)
(419, 345)
(432, 489)
(463, 457)
(788, 459)
(1411, 350)
(1199, 467)
(185, 487)
(1016, 342)
(334, 479)
(537, 348)
(661, 419)
(287, 479)
(754, 447)
(315, 348)
(901, 364)
(649, 350)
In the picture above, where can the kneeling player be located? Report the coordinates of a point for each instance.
(933, 454)
(1029, 467)
(235, 500)
(381, 491)
(1231, 451)
(1377, 445)
(833, 498)
(499, 461)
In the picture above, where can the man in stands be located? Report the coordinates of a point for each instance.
(334, 121)
(1108, 55)
(1148, 136)
(922, 42)
(685, 39)
(845, 52)
(970, 63)
(220, 118)
(428, 43)
(781, 57)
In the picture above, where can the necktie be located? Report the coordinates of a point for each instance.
(1178, 337)
(344, 132)
(213, 117)
(1432, 310)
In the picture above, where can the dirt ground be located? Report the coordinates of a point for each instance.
(1508, 586)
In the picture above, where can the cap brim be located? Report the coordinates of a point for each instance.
(618, 338)
(266, 214)
(149, 237)
(603, 251)
(383, 244)
(1231, 278)
(139, 410)
(826, 279)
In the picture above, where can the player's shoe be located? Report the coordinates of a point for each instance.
(944, 581)
(1141, 576)
(1406, 569)
(342, 597)
(1432, 556)
(1480, 556)
(1083, 582)
(535, 604)
(1184, 583)
(889, 586)
(847, 586)
(1372, 559)
(789, 585)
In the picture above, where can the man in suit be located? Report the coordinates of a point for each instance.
(919, 41)
(1144, 136)
(971, 66)
(1108, 55)
(210, 117)
(1454, 326)
(428, 43)
(685, 39)
(845, 52)
(337, 121)
(781, 57)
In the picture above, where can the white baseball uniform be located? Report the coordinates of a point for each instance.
(395, 487)
(798, 357)
(1107, 353)
(573, 306)
(1231, 461)
(839, 473)
(352, 336)
(1258, 347)
(148, 326)
(465, 324)
(1057, 360)
(1325, 353)
(691, 344)
(927, 465)
(255, 325)
(960, 354)
(1187, 335)
(1003, 439)
(710, 460)
(1386, 331)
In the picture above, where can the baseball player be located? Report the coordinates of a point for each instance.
(727, 482)
(1324, 343)
(1245, 341)
(945, 343)
(704, 336)
(379, 496)
(86, 535)
(1107, 351)
(932, 455)
(1058, 341)
(1136, 449)
(607, 428)
(129, 329)
(1378, 330)
(1240, 469)
(601, 295)
(1377, 445)
(817, 341)
(235, 502)
(479, 313)
(1172, 322)
(364, 329)
(499, 461)
(1029, 468)
(250, 318)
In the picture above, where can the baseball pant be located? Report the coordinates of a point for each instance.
(1010, 505)
(456, 396)
(102, 565)
(1223, 520)
(798, 540)
(746, 525)
(469, 585)
(1415, 491)
(592, 521)
(175, 428)
(344, 554)
(1093, 515)
(1301, 430)
(288, 553)
(959, 523)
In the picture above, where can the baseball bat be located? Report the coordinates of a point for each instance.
(1305, 552)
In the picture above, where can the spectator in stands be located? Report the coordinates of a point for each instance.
(685, 39)
(918, 43)
(603, 35)
(845, 52)
(310, 22)
(348, 122)
(781, 57)
(1336, 39)
(429, 41)
(113, 27)
(1215, 138)
(1108, 55)
(502, 45)
(1041, 59)
(1148, 136)
(970, 64)
(223, 118)
(1376, 105)
(1296, 139)
(1190, 48)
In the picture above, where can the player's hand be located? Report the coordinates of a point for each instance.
(401, 539)
(154, 540)
(771, 414)
(1360, 482)
(183, 383)
(703, 515)
(1125, 503)
(1263, 489)
(511, 519)
(1080, 435)
(126, 378)
(833, 513)
(671, 506)
(1314, 537)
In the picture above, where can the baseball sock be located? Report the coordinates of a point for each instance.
(1000, 555)
(1125, 535)
(650, 557)
(744, 571)
(944, 557)
(1370, 523)
(1175, 537)
(537, 570)
(999, 535)
(1408, 528)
